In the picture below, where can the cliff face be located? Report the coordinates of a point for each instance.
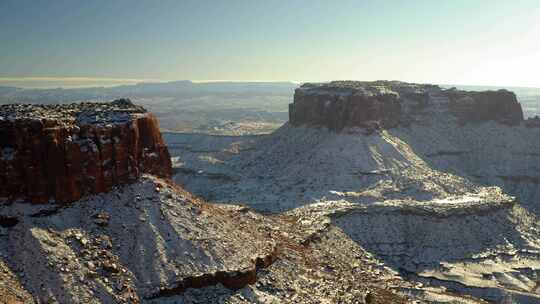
(63, 152)
(386, 104)
(501, 106)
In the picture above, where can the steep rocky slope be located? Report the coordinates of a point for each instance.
(152, 242)
(139, 242)
(443, 190)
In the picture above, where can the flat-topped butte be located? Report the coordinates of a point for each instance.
(386, 104)
(64, 152)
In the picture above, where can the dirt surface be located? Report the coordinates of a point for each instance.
(11, 290)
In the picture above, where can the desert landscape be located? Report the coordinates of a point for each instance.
(215, 108)
(372, 192)
(269, 152)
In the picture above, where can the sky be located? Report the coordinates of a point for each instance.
(472, 42)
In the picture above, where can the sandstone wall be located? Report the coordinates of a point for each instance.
(339, 111)
(386, 104)
(48, 159)
(501, 106)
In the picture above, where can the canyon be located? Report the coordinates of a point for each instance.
(102, 222)
(373, 192)
(442, 190)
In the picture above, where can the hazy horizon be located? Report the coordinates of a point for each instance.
(80, 43)
(85, 82)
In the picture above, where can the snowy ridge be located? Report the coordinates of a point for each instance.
(442, 203)
(130, 244)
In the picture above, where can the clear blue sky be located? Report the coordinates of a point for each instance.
(448, 41)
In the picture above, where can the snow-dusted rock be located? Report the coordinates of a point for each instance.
(386, 104)
(63, 152)
(446, 197)
(154, 243)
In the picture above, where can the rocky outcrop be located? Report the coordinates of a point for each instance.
(386, 104)
(501, 106)
(62, 152)
(343, 104)
(232, 279)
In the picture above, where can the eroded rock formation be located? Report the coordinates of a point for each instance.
(386, 104)
(501, 106)
(62, 152)
(343, 104)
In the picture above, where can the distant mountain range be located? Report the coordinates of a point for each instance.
(182, 87)
(141, 90)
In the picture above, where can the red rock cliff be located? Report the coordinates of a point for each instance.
(339, 105)
(63, 152)
(386, 104)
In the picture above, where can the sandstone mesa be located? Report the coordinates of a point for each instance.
(64, 152)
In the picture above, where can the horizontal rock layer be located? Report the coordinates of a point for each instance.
(386, 104)
(233, 279)
(64, 152)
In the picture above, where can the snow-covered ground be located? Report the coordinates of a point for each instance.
(447, 205)
(152, 242)
(298, 166)
(128, 245)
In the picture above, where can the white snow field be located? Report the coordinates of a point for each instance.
(444, 204)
